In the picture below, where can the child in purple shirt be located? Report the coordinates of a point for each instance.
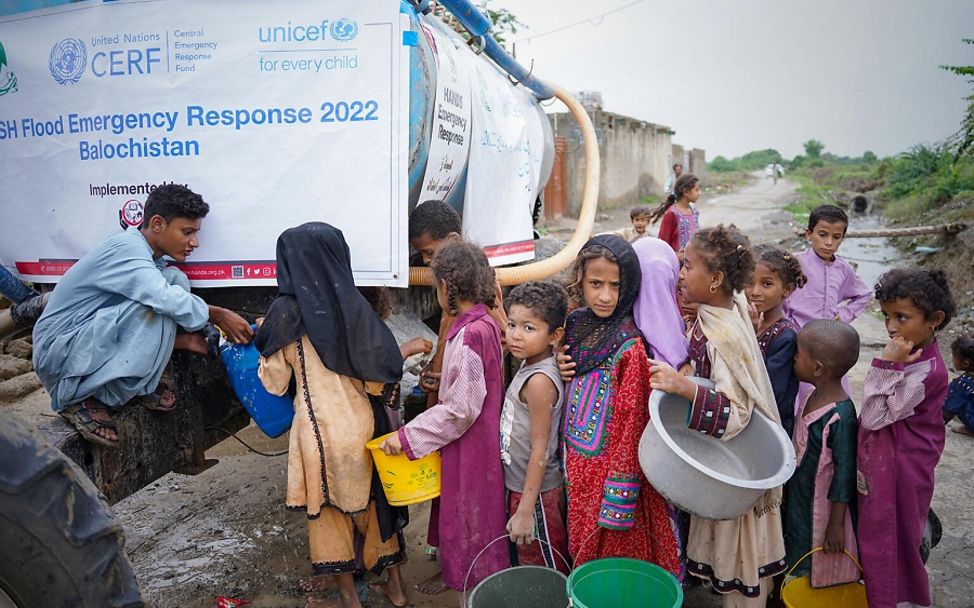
(834, 290)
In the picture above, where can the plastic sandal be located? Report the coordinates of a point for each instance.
(80, 416)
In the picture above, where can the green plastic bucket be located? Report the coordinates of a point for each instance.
(521, 587)
(623, 583)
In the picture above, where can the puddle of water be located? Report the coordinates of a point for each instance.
(191, 562)
(873, 256)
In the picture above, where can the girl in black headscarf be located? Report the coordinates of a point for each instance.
(612, 509)
(323, 333)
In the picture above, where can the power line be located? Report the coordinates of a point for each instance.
(592, 19)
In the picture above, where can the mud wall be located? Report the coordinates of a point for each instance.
(677, 156)
(635, 157)
(697, 162)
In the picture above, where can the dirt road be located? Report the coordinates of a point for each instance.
(225, 531)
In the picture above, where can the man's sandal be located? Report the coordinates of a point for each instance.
(153, 401)
(80, 415)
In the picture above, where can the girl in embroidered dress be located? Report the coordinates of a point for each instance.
(822, 492)
(337, 360)
(679, 213)
(901, 436)
(612, 509)
(738, 556)
(465, 426)
(777, 275)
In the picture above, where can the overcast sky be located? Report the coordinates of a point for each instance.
(732, 76)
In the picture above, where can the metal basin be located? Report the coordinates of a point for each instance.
(706, 476)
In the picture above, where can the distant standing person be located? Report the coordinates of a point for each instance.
(671, 180)
(679, 213)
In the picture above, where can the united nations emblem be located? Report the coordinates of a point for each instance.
(8, 80)
(131, 214)
(344, 29)
(68, 60)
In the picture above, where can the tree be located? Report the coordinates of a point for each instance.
(503, 22)
(964, 143)
(868, 156)
(813, 148)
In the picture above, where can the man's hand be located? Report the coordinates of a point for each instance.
(566, 367)
(521, 528)
(236, 328)
(391, 446)
(898, 351)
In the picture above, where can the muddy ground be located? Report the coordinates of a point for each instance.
(225, 531)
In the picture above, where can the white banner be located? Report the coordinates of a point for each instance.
(450, 143)
(277, 114)
(507, 147)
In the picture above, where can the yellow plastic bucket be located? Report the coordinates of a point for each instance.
(799, 593)
(406, 481)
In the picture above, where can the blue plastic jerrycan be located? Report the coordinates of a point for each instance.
(272, 414)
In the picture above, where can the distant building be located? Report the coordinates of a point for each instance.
(636, 156)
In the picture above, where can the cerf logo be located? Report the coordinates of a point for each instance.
(131, 214)
(68, 61)
(8, 80)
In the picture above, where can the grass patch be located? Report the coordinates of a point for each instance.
(811, 194)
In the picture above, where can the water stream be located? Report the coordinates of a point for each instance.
(871, 256)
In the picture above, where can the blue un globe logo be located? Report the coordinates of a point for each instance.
(344, 29)
(68, 60)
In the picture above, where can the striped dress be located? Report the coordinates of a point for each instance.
(465, 426)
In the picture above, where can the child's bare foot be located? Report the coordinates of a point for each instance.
(317, 583)
(434, 585)
(333, 602)
(392, 591)
(963, 430)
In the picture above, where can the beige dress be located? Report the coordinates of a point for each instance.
(734, 554)
(328, 464)
(329, 471)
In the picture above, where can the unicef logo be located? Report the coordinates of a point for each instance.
(344, 30)
(68, 60)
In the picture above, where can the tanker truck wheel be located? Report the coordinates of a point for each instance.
(59, 544)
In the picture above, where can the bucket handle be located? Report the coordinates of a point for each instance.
(644, 527)
(817, 549)
(463, 594)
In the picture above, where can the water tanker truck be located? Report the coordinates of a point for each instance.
(334, 110)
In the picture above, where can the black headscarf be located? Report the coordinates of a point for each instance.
(317, 296)
(592, 339)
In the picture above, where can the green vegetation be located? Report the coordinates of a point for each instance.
(922, 180)
(964, 140)
(752, 161)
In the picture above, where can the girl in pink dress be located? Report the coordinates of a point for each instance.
(901, 436)
(679, 213)
(464, 426)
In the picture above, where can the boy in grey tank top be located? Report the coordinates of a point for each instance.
(530, 426)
